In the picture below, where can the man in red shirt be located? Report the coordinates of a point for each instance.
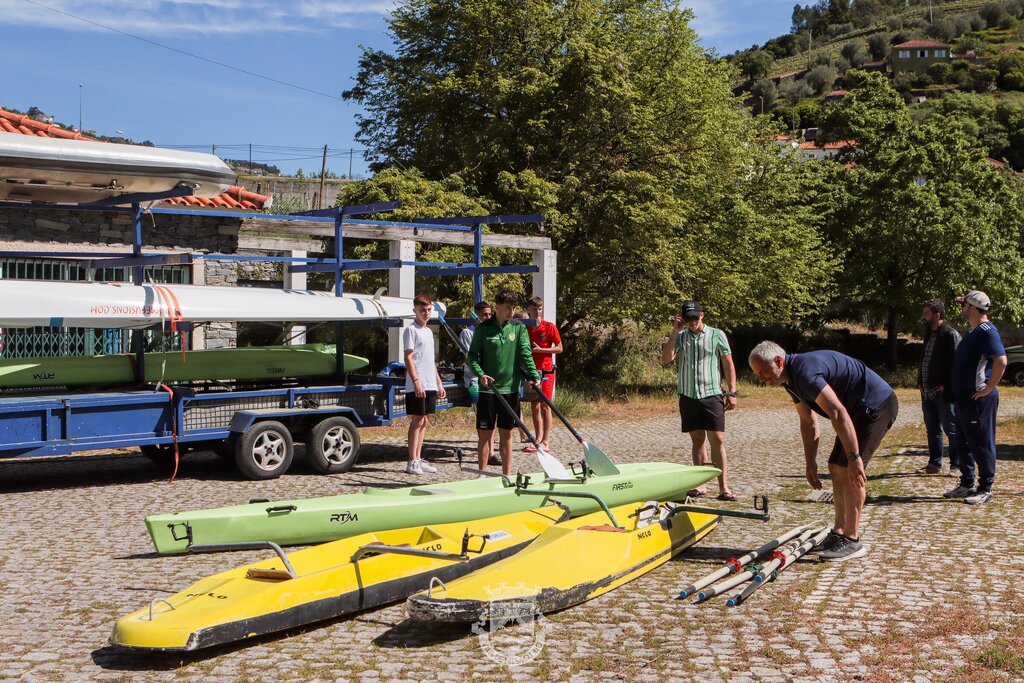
(545, 342)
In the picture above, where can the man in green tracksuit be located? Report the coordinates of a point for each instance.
(497, 353)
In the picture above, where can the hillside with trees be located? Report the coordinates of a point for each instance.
(981, 84)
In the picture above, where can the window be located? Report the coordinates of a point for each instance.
(940, 53)
(903, 54)
(922, 53)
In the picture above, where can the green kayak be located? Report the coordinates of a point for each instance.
(247, 363)
(318, 520)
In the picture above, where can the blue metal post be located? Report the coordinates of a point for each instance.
(478, 260)
(138, 336)
(339, 290)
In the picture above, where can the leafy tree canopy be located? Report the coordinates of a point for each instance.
(611, 121)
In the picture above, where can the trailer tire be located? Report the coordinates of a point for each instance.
(1015, 373)
(332, 445)
(264, 450)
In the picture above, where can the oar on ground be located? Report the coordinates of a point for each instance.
(734, 564)
(779, 562)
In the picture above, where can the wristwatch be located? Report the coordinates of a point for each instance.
(852, 456)
(731, 393)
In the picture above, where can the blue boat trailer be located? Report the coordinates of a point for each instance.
(257, 428)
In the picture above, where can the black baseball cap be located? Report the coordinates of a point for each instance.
(691, 309)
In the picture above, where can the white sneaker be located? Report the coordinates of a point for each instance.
(413, 467)
(959, 492)
(426, 467)
(979, 498)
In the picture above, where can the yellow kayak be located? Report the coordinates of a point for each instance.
(568, 564)
(326, 581)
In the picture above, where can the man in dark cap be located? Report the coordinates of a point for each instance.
(704, 357)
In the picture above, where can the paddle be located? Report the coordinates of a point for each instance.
(597, 461)
(549, 463)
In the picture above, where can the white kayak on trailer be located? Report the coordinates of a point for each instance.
(44, 303)
(41, 169)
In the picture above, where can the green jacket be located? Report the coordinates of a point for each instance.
(500, 352)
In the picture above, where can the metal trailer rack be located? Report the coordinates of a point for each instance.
(256, 427)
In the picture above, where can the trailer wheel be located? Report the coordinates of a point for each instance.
(1016, 374)
(264, 450)
(332, 445)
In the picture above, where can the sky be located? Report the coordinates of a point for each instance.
(220, 75)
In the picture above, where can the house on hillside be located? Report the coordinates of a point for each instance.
(915, 56)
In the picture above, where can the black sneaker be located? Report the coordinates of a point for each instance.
(827, 543)
(845, 549)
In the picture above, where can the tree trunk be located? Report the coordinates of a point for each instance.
(890, 340)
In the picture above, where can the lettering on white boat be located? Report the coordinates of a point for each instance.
(497, 535)
(345, 517)
(106, 309)
(200, 595)
(622, 486)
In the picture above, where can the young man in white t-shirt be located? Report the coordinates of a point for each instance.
(422, 382)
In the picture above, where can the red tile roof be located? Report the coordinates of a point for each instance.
(922, 43)
(236, 198)
(837, 93)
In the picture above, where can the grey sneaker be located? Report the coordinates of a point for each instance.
(413, 467)
(954, 471)
(827, 543)
(979, 498)
(426, 467)
(959, 492)
(844, 549)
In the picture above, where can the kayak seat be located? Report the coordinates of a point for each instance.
(430, 491)
(271, 574)
(602, 527)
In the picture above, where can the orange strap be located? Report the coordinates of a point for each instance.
(174, 430)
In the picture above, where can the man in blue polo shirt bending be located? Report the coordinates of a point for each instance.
(978, 365)
(860, 406)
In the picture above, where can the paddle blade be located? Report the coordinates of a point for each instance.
(597, 461)
(551, 465)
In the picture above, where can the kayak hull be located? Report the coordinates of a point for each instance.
(328, 518)
(261, 598)
(566, 565)
(248, 363)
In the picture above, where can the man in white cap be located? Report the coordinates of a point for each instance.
(978, 365)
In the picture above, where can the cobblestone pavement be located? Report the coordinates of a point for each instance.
(929, 602)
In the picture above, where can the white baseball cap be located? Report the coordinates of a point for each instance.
(976, 298)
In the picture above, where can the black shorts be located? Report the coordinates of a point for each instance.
(489, 412)
(707, 414)
(420, 406)
(871, 427)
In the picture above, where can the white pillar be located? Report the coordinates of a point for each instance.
(296, 281)
(199, 278)
(401, 282)
(545, 281)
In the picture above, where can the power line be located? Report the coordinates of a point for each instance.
(183, 52)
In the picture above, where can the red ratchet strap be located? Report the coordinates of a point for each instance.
(174, 430)
(175, 315)
(734, 565)
(780, 556)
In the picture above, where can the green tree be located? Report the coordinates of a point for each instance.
(854, 52)
(754, 64)
(922, 213)
(611, 121)
(878, 45)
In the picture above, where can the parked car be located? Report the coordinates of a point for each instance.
(1015, 365)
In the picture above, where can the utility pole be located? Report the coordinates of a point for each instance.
(810, 39)
(80, 86)
(250, 160)
(213, 149)
(351, 152)
(323, 174)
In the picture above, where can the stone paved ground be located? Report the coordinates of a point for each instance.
(937, 598)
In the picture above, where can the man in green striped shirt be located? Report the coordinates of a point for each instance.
(703, 357)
